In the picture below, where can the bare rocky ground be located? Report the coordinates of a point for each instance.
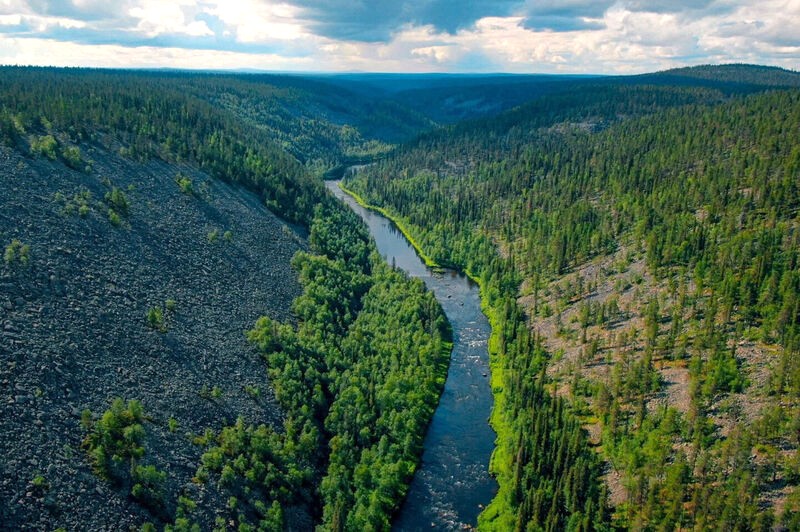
(624, 277)
(73, 332)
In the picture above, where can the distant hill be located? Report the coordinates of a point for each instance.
(731, 79)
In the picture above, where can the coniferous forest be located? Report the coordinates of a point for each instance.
(636, 241)
(638, 248)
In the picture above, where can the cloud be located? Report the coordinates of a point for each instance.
(379, 20)
(565, 15)
(578, 36)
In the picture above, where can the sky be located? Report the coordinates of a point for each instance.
(520, 36)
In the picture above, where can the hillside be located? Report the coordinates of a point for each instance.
(741, 75)
(75, 329)
(195, 334)
(637, 247)
(319, 122)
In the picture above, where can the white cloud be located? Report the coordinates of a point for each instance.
(156, 18)
(44, 52)
(623, 37)
(253, 21)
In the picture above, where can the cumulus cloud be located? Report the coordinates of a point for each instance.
(581, 36)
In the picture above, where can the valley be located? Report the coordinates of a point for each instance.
(197, 334)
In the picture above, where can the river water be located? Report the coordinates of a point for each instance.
(452, 484)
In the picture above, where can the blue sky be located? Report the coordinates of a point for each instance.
(550, 36)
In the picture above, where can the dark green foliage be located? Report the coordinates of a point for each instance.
(148, 485)
(359, 377)
(550, 476)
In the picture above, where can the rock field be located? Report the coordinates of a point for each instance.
(74, 334)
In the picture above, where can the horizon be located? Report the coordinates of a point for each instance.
(433, 74)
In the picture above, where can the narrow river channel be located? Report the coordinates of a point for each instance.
(452, 484)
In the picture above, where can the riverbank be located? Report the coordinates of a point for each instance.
(429, 262)
(453, 484)
(496, 515)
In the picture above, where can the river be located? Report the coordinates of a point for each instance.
(452, 484)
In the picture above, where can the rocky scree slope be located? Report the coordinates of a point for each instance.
(74, 330)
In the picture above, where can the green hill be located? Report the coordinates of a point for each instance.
(637, 246)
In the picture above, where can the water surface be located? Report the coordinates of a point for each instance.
(452, 484)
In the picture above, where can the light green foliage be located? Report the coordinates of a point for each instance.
(227, 236)
(114, 218)
(116, 437)
(118, 206)
(46, 146)
(73, 158)
(155, 319)
(79, 204)
(184, 183)
(17, 253)
(212, 235)
(40, 485)
(117, 201)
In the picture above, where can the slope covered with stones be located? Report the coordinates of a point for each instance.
(74, 329)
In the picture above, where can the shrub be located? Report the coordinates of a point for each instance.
(155, 319)
(148, 487)
(213, 235)
(116, 437)
(40, 485)
(46, 146)
(184, 183)
(114, 218)
(17, 252)
(117, 200)
(78, 203)
(72, 157)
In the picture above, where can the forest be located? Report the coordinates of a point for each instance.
(636, 244)
(624, 235)
(360, 375)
